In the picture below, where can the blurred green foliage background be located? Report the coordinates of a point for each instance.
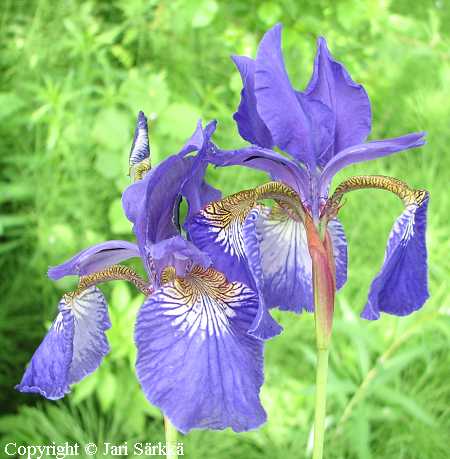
(73, 76)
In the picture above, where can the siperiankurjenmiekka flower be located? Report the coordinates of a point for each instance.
(323, 129)
(195, 359)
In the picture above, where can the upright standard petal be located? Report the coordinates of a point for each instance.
(140, 149)
(197, 139)
(250, 125)
(277, 103)
(217, 230)
(366, 152)
(133, 197)
(155, 219)
(95, 258)
(153, 201)
(321, 127)
(152, 204)
(73, 347)
(332, 85)
(195, 190)
(401, 287)
(195, 360)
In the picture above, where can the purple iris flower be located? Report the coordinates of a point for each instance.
(320, 130)
(195, 359)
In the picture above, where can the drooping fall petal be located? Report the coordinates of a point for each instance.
(73, 347)
(196, 361)
(285, 261)
(264, 326)
(401, 286)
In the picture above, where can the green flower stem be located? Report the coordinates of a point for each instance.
(171, 439)
(324, 287)
(321, 400)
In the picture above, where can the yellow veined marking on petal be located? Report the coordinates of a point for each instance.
(138, 171)
(79, 300)
(168, 274)
(206, 281)
(232, 208)
(225, 217)
(398, 187)
(285, 196)
(209, 298)
(113, 272)
(282, 212)
(276, 190)
(236, 207)
(419, 196)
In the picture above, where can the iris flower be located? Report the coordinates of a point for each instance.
(298, 242)
(195, 359)
(212, 279)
